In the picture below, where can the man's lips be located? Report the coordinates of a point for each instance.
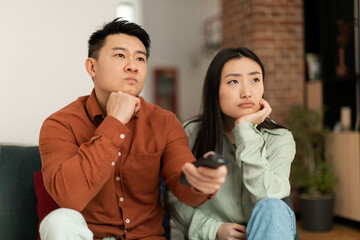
(246, 104)
(132, 80)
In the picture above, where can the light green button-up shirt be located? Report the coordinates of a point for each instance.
(258, 168)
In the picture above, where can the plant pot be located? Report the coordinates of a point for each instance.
(317, 212)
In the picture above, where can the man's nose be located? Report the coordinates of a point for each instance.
(131, 66)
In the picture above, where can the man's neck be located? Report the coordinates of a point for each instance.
(102, 100)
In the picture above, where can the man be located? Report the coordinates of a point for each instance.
(103, 155)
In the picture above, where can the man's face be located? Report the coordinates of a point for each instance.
(121, 66)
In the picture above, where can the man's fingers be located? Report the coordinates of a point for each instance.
(207, 183)
(210, 175)
(206, 175)
(137, 106)
(122, 106)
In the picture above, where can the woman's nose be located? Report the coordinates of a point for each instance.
(245, 91)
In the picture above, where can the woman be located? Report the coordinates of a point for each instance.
(235, 121)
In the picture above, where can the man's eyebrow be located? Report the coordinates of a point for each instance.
(124, 49)
(142, 52)
(119, 48)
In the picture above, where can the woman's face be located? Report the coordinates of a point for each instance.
(241, 87)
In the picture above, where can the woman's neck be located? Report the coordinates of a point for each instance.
(228, 126)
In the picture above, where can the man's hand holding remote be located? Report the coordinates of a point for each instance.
(205, 179)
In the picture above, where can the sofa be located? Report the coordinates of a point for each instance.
(20, 207)
(18, 203)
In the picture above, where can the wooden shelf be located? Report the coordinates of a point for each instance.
(345, 154)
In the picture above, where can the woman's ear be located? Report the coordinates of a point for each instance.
(90, 66)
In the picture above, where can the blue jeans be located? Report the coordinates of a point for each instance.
(271, 219)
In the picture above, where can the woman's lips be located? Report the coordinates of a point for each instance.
(246, 104)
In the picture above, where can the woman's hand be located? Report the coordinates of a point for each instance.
(256, 117)
(230, 231)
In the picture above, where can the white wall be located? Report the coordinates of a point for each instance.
(176, 32)
(43, 47)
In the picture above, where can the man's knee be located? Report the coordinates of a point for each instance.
(62, 217)
(64, 221)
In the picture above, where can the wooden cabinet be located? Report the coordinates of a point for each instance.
(314, 95)
(345, 154)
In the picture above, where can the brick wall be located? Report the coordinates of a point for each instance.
(274, 30)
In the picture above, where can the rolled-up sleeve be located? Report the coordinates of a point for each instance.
(266, 163)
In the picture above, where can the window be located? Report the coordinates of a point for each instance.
(130, 10)
(126, 11)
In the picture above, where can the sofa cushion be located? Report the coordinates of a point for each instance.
(45, 203)
(18, 217)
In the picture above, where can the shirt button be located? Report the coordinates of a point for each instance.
(121, 199)
(127, 220)
(113, 164)
(117, 178)
(119, 153)
(122, 135)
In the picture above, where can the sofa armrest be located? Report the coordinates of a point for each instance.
(18, 216)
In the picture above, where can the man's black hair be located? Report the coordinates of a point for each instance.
(118, 25)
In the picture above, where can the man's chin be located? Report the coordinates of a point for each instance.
(131, 92)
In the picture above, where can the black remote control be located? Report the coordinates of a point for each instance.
(212, 161)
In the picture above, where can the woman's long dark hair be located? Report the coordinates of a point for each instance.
(210, 136)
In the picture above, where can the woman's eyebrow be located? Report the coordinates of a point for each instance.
(255, 73)
(233, 75)
(238, 74)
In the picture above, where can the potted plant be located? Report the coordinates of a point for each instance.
(311, 172)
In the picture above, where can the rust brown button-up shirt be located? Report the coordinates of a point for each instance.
(110, 172)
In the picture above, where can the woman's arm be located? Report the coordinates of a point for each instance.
(191, 221)
(265, 159)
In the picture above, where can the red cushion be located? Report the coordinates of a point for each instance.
(45, 203)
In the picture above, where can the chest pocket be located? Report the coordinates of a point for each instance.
(145, 171)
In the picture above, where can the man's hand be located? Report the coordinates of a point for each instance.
(230, 231)
(122, 106)
(205, 180)
(256, 117)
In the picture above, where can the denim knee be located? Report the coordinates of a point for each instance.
(274, 205)
(276, 208)
(271, 219)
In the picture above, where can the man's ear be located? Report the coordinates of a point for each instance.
(90, 66)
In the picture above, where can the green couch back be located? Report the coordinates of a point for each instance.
(18, 217)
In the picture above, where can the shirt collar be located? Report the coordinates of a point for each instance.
(93, 107)
(272, 131)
